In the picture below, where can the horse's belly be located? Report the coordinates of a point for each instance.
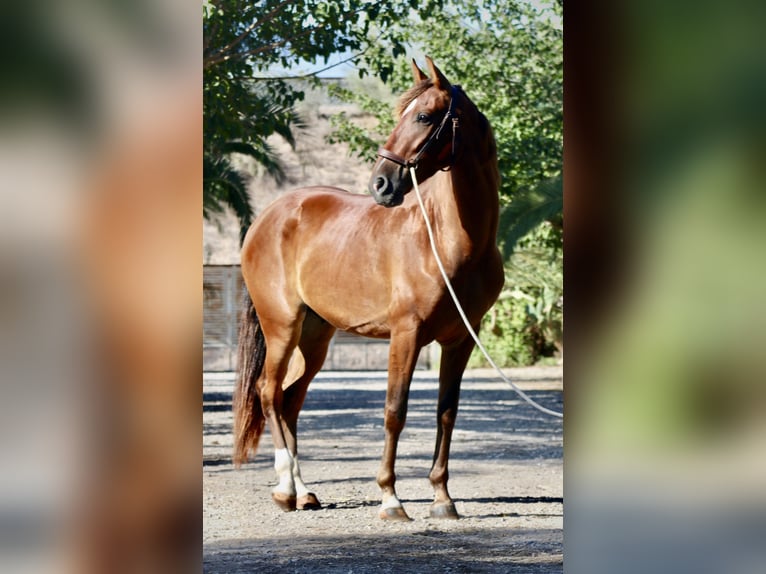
(358, 323)
(348, 309)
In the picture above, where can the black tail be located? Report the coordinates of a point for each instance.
(248, 416)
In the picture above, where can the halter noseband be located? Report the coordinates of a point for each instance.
(408, 163)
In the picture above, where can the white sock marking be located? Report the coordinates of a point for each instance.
(300, 487)
(283, 464)
(391, 502)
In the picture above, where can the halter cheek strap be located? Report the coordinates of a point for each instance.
(435, 135)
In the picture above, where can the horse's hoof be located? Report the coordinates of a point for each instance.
(308, 501)
(394, 514)
(444, 510)
(284, 501)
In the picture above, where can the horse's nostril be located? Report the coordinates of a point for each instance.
(380, 183)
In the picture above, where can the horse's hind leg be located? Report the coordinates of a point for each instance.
(307, 360)
(454, 359)
(281, 339)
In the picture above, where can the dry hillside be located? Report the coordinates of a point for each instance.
(312, 162)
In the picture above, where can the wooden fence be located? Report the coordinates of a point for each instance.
(223, 291)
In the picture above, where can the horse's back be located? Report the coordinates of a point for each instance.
(317, 194)
(309, 219)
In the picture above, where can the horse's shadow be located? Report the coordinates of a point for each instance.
(355, 504)
(517, 500)
(350, 504)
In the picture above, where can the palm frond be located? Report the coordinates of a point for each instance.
(262, 153)
(224, 186)
(289, 119)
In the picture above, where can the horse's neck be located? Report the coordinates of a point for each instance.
(465, 202)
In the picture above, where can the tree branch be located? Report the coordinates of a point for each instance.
(246, 32)
(310, 74)
(218, 57)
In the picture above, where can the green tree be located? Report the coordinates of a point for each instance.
(245, 103)
(508, 55)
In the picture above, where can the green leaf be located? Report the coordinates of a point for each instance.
(528, 210)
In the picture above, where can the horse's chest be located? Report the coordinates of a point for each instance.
(473, 292)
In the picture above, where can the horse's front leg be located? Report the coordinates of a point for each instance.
(453, 362)
(403, 354)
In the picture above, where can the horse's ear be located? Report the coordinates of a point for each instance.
(417, 73)
(439, 80)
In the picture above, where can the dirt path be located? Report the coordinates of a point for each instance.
(506, 474)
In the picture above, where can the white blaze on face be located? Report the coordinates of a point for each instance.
(411, 107)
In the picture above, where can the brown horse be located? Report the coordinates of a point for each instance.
(321, 259)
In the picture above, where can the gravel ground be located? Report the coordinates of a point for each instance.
(506, 473)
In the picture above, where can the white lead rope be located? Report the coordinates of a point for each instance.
(460, 308)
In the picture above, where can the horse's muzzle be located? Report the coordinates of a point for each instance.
(384, 192)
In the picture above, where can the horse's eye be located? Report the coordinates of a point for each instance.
(424, 118)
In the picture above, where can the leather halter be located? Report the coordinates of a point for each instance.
(435, 135)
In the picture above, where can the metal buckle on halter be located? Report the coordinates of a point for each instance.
(455, 126)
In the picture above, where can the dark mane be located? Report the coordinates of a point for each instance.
(410, 95)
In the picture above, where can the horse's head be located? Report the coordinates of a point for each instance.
(423, 138)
